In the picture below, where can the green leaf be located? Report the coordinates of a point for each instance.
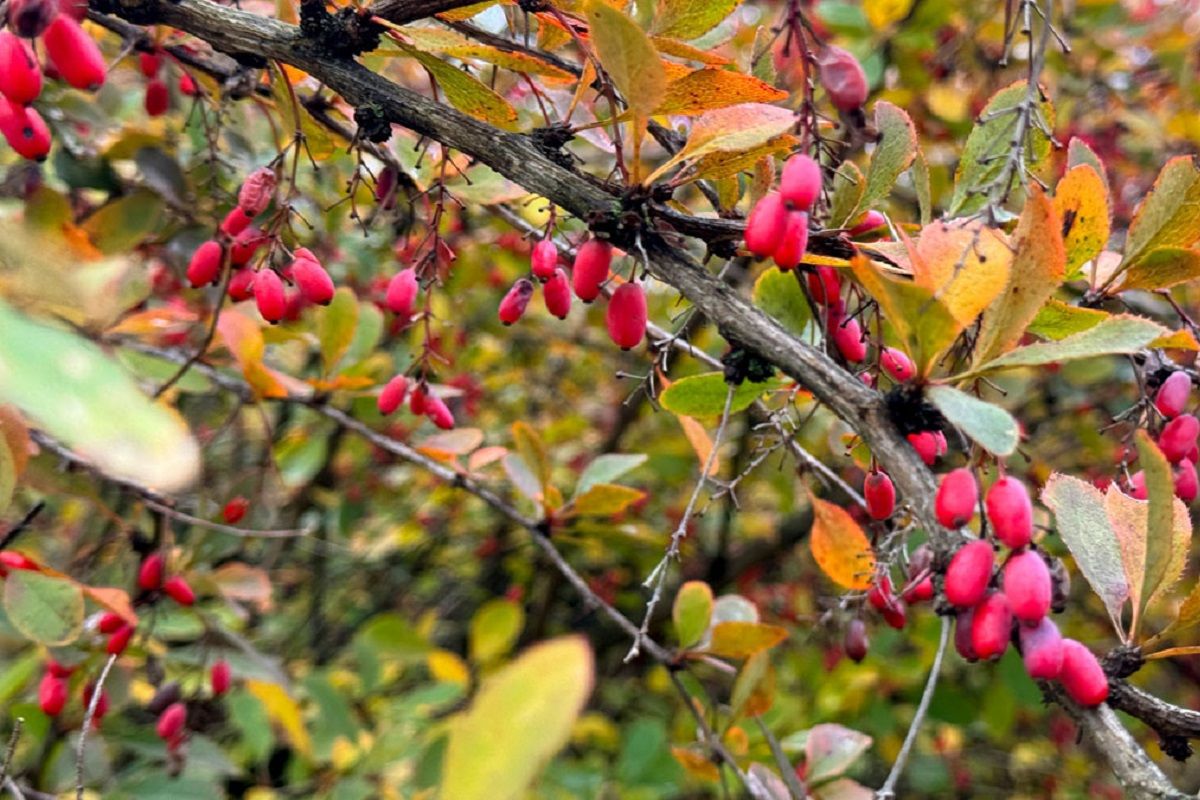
(988, 424)
(119, 226)
(692, 611)
(466, 93)
(607, 468)
(1116, 335)
(606, 499)
(1080, 152)
(688, 19)
(8, 475)
(778, 293)
(743, 639)
(390, 635)
(1170, 215)
(984, 155)
(1162, 268)
(495, 629)
(754, 688)
(71, 389)
(628, 56)
(1160, 519)
(895, 152)
(920, 179)
(1056, 320)
(704, 395)
(849, 189)
(520, 718)
(1082, 522)
(831, 749)
(533, 452)
(367, 334)
(336, 324)
(46, 609)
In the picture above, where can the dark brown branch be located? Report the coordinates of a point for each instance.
(403, 11)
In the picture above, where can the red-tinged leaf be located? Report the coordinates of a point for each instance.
(341, 383)
(1160, 539)
(244, 583)
(448, 444)
(730, 130)
(965, 266)
(16, 435)
(1167, 216)
(115, 600)
(706, 89)
(696, 764)
(1162, 268)
(244, 339)
(740, 640)
(830, 749)
(484, 456)
(700, 441)
(840, 547)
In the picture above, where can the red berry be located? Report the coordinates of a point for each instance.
(963, 623)
(241, 285)
(11, 559)
(1137, 485)
(991, 627)
(187, 85)
(969, 573)
(1010, 512)
(918, 592)
(171, 721)
(269, 295)
(437, 411)
(1173, 395)
(1178, 437)
(800, 182)
(52, 694)
(150, 63)
(220, 677)
(790, 251)
(75, 9)
(402, 292)
(925, 443)
(110, 622)
(556, 293)
(245, 245)
(158, 98)
(59, 670)
(101, 703)
(257, 191)
(544, 260)
(30, 18)
(205, 266)
(311, 278)
(178, 590)
(236, 221)
(920, 579)
(1186, 485)
(626, 315)
(392, 395)
(880, 495)
(385, 187)
(119, 640)
(235, 510)
(592, 262)
(843, 78)
(825, 287)
(418, 400)
(150, 575)
(957, 497)
(856, 642)
(1027, 586)
(883, 599)
(868, 222)
(766, 225)
(24, 130)
(513, 306)
(1081, 675)
(1042, 650)
(20, 75)
(897, 364)
(847, 337)
(74, 53)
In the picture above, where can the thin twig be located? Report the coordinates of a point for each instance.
(88, 716)
(13, 738)
(786, 770)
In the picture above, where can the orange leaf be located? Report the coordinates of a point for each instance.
(840, 547)
(16, 436)
(238, 581)
(244, 339)
(1081, 199)
(744, 639)
(155, 321)
(966, 267)
(115, 600)
(711, 88)
(701, 443)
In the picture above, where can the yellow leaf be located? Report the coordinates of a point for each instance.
(244, 339)
(711, 88)
(1162, 269)
(735, 129)
(840, 547)
(696, 764)
(1081, 199)
(447, 667)
(606, 500)
(716, 166)
(966, 267)
(283, 711)
(1182, 339)
(743, 639)
(688, 19)
(885, 13)
(627, 56)
(678, 49)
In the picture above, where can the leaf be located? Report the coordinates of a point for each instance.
(701, 442)
(706, 89)
(1057, 320)
(457, 46)
(692, 611)
(846, 195)
(244, 583)
(1160, 494)
(1080, 152)
(115, 600)
(391, 636)
(885, 13)
(607, 468)
(447, 445)
(1081, 199)
(715, 166)
(628, 57)
(243, 338)
(988, 424)
(754, 689)
(778, 293)
(734, 129)
(605, 500)
(840, 547)
(75, 392)
(518, 720)
(733, 608)
(696, 764)
(1174, 652)
(984, 155)
(1182, 339)
(830, 749)
(1162, 268)
(895, 152)
(464, 92)
(1082, 522)
(920, 179)
(966, 267)
(741, 640)
(686, 52)
(494, 630)
(522, 478)
(532, 451)
(121, 225)
(8, 475)
(704, 395)
(1038, 268)
(44, 608)
(1169, 216)
(1187, 617)
(688, 19)
(336, 324)
(1117, 335)
(283, 711)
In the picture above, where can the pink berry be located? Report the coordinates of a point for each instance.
(438, 412)
(220, 677)
(74, 53)
(1186, 484)
(119, 640)
(957, 498)
(269, 295)
(963, 623)
(205, 266)
(1042, 650)
(969, 573)
(626, 315)
(766, 225)
(52, 695)
(856, 641)
(1010, 512)
(245, 245)
(872, 220)
(513, 306)
(592, 263)
(847, 337)
(880, 495)
(418, 400)
(544, 260)
(1172, 397)
(171, 721)
(556, 293)
(312, 279)
(24, 130)
(1178, 437)
(790, 251)
(1137, 485)
(1027, 586)
(843, 78)
(20, 75)
(178, 590)
(241, 285)
(402, 292)
(800, 182)
(992, 626)
(925, 443)
(257, 191)
(236, 221)
(825, 287)
(1081, 675)
(392, 395)
(897, 364)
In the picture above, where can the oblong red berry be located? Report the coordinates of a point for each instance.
(991, 627)
(257, 191)
(187, 85)
(74, 53)
(1178, 437)
(879, 494)
(241, 284)
(792, 246)
(158, 98)
(869, 221)
(119, 640)
(58, 669)
(101, 702)
(52, 695)
(897, 364)
(556, 293)
(925, 443)
(766, 225)
(626, 315)
(245, 245)
(236, 221)
(24, 130)
(1042, 650)
(312, 279)
(269, 295)
(1186, 485)
(843, 78)
(392, 395)
(20, 75)
(847, 337)
(800, 181)
(438, 412)
(171, 721)
(1027, 585)
(513, 306)
(418, 399)
(205, 266)
(1010, 512)
(544, 260)
(825, 286)
(957, 497)
(220, 677)
(963, 622)
(1137, 485)
(402, 292)
(856, 642)
(592, 262)
(150, 574)
(30, 18)
(969, 573)
(884, 600)
(1081, 675)
(918, 591)
(1172, 397)
(109, 622)
(150, 63)
(178, 590)
(235, 509)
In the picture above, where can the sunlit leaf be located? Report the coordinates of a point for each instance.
(701, 442)
(885, 13)
(628, 57)
(966, 267)
(464, 92)
(704, 395)
(894, 153)
(1081, 200)
(494, 630)
(606, 499)
(988, 424)
(706, 89)
(831, 749)
(1162, 268)
(778, 293)
(1116, 335)
(688, 19)
(840, 547)
(1169, 216)
(283, 711)
(692, 611)
(731, 130)
(743, 639)
(1057, 320)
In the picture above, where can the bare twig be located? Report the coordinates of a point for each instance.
(89, 715)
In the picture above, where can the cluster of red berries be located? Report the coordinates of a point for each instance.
(421, 402)
(157, 100)
(71, 56)
(1177, 440)
(54, 690)
(778, 224)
